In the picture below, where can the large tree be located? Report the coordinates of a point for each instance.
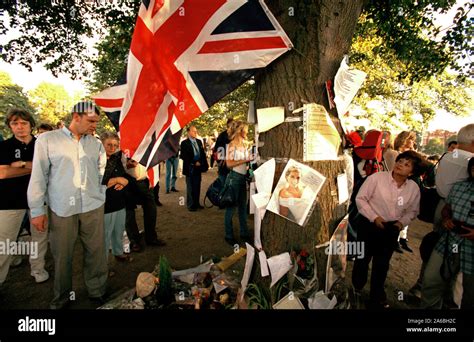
(322, 31)
(11, 96)
(51, 101)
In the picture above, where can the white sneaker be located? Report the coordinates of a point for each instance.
(40, 276)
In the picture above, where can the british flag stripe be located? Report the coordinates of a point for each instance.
(185, 56)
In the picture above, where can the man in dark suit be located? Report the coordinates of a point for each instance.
(194, 163)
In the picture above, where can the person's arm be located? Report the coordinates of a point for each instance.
(38, 185)
(14, 170)
(412, 210)
(117, 182)
(447, 217)
(363, 198)
(101, 163)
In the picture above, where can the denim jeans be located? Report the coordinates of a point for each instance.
(171, 170)
(239, 187)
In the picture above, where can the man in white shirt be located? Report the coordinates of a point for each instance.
(452, 168)
(68, 167)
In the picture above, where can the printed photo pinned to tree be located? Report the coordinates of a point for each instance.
(337, 251)
(295, 195)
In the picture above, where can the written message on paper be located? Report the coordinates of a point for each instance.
(346, 84)
(321, 138)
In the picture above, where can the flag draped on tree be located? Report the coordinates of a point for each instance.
(185, 56)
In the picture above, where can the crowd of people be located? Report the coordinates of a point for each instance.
(71, 184)
(389, 199)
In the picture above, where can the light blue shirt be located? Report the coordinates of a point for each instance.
(67, 174)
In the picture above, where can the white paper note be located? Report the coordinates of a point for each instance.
(269, 118)
(263, 264)
(342, 189)
(321, 138)
(289, 302)
(252, 192)
(346, 84)
(279, 265)
(264, 175)
(258, 217)
(321, 301)
(248, 267)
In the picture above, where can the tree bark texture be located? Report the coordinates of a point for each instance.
(321, 32)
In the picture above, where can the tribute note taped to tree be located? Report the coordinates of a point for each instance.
(321, 138)
(346, 84)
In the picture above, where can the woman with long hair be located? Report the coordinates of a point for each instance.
(237, 160)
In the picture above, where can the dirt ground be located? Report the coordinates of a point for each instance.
(191, 237)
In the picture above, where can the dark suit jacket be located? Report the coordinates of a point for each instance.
(187, 154)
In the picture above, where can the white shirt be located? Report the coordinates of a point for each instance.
(67, 173)
(381, 196)
(451, 169)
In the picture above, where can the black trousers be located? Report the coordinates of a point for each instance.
(379, 245)
(143, 195)
(193, 188)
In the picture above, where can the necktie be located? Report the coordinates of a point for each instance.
(196, 149)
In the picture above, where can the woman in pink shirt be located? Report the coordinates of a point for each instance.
(388, 201)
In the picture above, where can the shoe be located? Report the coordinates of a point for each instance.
(40, 276)
(156, 242)
(404, 245)
(16, 261)
(174, 190)
(230, 241)
(158, 204)
(123, 258)
(135, 247)
(192, 209)
(398, 248)
(167, 191)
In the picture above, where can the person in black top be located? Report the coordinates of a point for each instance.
(194, 163)
(116, 180)
(16, 155)
(219, 151)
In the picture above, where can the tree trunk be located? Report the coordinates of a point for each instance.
(321, 32)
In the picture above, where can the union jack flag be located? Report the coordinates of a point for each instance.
(185, 56)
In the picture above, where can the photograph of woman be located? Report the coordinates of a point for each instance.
(296, 192)
(292, 205)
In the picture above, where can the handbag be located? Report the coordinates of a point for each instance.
(213, 192)
(227, 197)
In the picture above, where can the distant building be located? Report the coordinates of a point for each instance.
(440, 134)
